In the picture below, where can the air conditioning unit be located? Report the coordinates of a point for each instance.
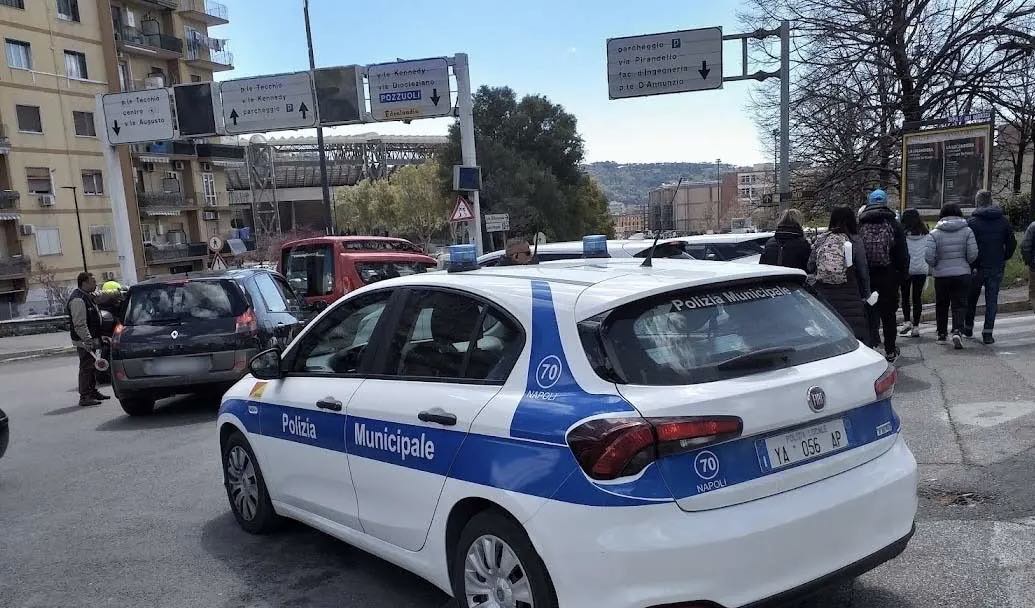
(206, 167)
(148, 167)
(210, 216)
(178, 165)
(46, 200)
(28, 229)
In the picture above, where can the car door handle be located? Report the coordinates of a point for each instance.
(329, 403)
(438, 416)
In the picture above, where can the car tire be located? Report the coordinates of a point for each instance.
(246, 489)
(137, 405)
(526, 584)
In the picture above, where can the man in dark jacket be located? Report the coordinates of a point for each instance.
(85, 332)
(887, 256)
(996, 244)
(1028, 255)
(788, 247)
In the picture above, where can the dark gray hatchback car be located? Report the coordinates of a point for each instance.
(197, 332)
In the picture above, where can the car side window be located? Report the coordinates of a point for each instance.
(310, 270)
(446, 335)
(272, 294)
(336, 345)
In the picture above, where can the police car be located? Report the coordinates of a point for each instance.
(583, 433)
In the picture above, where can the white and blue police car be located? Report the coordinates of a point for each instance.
(584, 433)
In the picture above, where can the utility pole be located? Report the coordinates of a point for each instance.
(78, 223)
(465, 110)
(785, 109)
(328, 209)
(718, 190)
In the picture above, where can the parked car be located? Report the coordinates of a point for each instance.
(616, 248)
(197, 332)
(5, 433)
(744, 247)
(323, 269)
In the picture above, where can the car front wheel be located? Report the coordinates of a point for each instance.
(246, 489)
(496, 566)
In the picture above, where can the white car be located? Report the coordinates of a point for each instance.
(582, 434)
(745, 248)
(616, 248)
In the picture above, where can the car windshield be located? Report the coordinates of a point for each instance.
(703, 335)
(372, 272)
(167, 303)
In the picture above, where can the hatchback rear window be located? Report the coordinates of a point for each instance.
(173, 303)
(372, 272)
(715, 333)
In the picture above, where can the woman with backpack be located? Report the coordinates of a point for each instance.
(913, 286)
(838, 262)
(788, 247)
(951, 250)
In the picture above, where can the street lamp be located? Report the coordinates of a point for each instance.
(79, 223)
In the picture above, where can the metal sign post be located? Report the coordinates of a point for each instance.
(465, 108)
(117, 196)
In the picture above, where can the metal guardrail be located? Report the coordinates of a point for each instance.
(134, 35)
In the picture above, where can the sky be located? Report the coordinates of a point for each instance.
(551, 47)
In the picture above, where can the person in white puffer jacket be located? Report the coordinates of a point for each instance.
(917, 236)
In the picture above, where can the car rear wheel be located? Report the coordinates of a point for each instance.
(137, 405)
(246, 488)
(495, 566)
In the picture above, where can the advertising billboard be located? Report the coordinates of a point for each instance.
(945, 166)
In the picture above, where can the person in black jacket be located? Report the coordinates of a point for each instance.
(788, 247)
(996, 244)
(887, 255)
(85, 332)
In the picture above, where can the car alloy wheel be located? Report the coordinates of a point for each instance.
(242, 483)
(494, 576)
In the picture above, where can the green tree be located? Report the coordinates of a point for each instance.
(369, 207)
(422, 208)
(531, 156)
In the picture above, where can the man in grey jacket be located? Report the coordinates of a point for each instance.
(1028, 255)
(85, 332)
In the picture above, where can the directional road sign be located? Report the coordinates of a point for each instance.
(139, 116)
(408, 90)
(497, 222)
(463, 211)
(268, 103)
(672, 62)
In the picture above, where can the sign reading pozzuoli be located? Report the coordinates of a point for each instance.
(408, 90)
(139, 116)
(670, 62)
(268, 103)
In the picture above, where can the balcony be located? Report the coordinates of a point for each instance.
(240, 197)
(217, 200)
(132, 40)
(15, 267)
(9, 199)
(164, 203)
(208, 12)
(161, 254)
(207, 53)
(5, 141)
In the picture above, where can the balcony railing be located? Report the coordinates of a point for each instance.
(240, 197)
(162, 199)
(15, 266)
(215, 51)
(212, 13)
(9, 199)
(132, 35)
(171, 4)
(162, 253)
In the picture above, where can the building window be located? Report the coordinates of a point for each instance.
(195, 78)
(75, 65)
(123, 76)
(208, 182)
(48, 240)
(68, 10)
(39, 180)
(84, 125)
(100, 238)
(29, 119)
(19, 54)
(146, 233)
(93, 182)
(13, 3)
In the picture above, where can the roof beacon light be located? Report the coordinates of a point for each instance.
(594, 246)
(462, 258)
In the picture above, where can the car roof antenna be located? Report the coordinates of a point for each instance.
(647, 263)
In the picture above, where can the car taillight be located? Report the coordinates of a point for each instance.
(247, 323)
(609, 448)
(116, 334)
(885, 385)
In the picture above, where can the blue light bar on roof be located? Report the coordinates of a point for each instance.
(461, 258)
(594, 246)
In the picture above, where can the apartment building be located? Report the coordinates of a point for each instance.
(628, 223)
(55, 213)
(692, 209)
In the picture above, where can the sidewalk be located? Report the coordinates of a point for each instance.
(38, 345)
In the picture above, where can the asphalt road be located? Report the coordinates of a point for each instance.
(99, 509)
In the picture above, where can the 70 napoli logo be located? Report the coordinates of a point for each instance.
(548, 372)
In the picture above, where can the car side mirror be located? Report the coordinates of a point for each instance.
(267, 365)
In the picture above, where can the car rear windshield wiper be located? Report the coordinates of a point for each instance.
(757, 358)
(163, 321)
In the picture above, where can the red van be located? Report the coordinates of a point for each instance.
(323, 269)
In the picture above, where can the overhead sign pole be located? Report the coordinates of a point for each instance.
(465, 108)
(325, 190)
(117, 196)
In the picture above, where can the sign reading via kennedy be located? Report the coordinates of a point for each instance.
(497, 222)
(267, 103)
(408, 90)
(671, 62)
(139, 116)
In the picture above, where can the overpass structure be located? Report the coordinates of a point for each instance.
(281, 176)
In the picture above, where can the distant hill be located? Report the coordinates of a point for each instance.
(629, 182)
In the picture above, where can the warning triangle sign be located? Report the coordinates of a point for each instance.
(462, 212)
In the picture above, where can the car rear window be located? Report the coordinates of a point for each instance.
(372, 272)
(379, 245)
(171, 303)
(714, 333)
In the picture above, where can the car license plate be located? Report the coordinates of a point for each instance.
(180, 366)
(806, 444)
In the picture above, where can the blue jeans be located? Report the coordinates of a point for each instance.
(990, 281)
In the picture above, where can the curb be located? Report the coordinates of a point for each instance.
(36, 354)
(928, 313)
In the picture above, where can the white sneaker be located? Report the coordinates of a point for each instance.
(957, 341)
(905, 329)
